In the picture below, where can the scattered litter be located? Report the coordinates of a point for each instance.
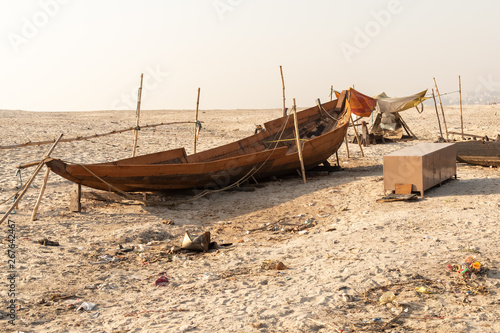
(200, 243)
(273, 265)
(346, 297)
(123, 250)
(387, 297)
(168, 222)
(106, 259)
(162, 280)
(86, 306)
(423, 290)
(47, 242)
(185, 328)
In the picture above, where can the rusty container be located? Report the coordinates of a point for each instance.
(423, 166)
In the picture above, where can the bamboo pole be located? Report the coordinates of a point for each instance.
(80, 138)
(442, 110)
(196, 121)
(297, 140)
(357, 137)
(460, 94)
(137, 116)
(331, 93)
(437, 113)
(283, 85)
(28, 183)
(346, 145)
(42, 190)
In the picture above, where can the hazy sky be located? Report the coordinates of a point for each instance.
(88, 54)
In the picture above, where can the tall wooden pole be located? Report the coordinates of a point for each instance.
(442, 110)
(460, 94)
(437, 113)
(196, 121)
(137, 116)
(331, 93)
(28, 183)
(283, 85)
(42, 190)
(297, 140)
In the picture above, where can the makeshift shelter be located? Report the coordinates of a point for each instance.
(388, 123)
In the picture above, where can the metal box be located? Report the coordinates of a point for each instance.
(423, 166)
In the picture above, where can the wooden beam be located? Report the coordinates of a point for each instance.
(75, 204)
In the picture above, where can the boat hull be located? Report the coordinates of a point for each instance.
(270, 153)
(478, 152)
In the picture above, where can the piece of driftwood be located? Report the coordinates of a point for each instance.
(398, 197)
(32, 178)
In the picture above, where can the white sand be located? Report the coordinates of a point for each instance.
(356, 245)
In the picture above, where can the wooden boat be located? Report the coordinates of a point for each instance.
(272, 152)
(479, 152)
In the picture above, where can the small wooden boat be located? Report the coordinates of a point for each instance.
(479, 152)
(272, 152)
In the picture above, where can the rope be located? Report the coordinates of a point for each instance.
(199, 195)
(416, 106)
(39, 143)
(250, 174)
(105, 182)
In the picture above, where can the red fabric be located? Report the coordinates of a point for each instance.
(361, 105)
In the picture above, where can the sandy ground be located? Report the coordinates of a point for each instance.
(343, 250)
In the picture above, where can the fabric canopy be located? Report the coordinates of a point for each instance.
(361, 105)
(397, 104)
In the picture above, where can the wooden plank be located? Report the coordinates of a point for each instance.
(398, 197)
(341, 101)
(402, 188)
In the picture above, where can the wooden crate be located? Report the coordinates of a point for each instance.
(423, 166)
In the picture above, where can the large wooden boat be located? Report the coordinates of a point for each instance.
(272, 152)
(479, 152)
